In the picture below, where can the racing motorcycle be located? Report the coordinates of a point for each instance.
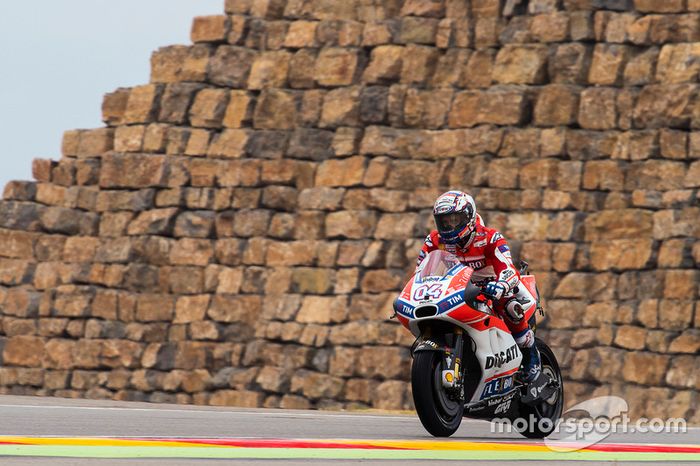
(465, 360)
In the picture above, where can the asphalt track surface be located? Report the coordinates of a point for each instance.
(58, 432)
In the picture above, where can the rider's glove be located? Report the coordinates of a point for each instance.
(494, 290)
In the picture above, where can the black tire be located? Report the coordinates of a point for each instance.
(547, 409)
(439, 415)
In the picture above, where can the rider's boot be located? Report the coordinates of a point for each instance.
(524, 338)
(537, 383)
(532, 365)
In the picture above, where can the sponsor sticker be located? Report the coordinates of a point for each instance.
(403, 308)
(497, 386)
(504, 357)
(451, 302)
(431, 343)
(477, 264)
(502, 408)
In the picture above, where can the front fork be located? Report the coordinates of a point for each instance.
(452, 376)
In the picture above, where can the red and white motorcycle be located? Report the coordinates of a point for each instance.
(465, 361)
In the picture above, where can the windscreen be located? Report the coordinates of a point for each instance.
(436, 264)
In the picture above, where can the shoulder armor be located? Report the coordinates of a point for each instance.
(496, 236)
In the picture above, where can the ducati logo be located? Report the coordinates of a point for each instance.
(504, 357)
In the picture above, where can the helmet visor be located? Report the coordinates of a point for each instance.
(452, 222)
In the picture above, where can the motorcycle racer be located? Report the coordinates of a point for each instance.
(461, 231)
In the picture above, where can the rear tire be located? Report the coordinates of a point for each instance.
(550, 408)
(440, 415)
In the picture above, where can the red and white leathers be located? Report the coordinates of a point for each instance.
(489, 255)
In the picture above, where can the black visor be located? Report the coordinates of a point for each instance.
(452, 222)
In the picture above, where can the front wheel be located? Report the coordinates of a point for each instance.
(542, 417)
(439, 413)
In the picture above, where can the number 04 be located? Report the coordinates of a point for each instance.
(432, 291)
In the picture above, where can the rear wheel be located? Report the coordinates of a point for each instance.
(439, 413)
(542, 417)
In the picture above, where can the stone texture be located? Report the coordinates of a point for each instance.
(180, 63)
(230, 66)
(114, 105)
(143, 171)
(237, 231)
(208, 108)
(664, 105)
(269, 70)
(556, 105)
(517, 64)
(336, 67)
(597, 109)
(384, 65)
(570, 64)
(498, 106)
(678, 63)
(275, 109)
(418, 64)
(142, 104)
(210, 28)
(342, 172)
(607, 64)
(640, 68)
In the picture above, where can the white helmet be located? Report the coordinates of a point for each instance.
(455, 218)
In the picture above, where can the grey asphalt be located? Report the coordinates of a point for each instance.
(33, 416)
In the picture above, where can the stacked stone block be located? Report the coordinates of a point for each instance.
(236, 232)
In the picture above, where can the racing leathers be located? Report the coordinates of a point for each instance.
(489, 255)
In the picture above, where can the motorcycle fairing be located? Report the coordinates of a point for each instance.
(494, 347)
(496, 406)
(497, 377)
(529, 282)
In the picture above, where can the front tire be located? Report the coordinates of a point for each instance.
(549, 409)
(440, 415)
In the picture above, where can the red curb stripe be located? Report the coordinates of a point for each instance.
(295, 443)
(611, 447)
(639, 448)
(276, 443)
(366, 444)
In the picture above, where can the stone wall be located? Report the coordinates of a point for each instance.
(236, 231)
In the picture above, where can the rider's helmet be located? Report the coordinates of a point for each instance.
(455, 218)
